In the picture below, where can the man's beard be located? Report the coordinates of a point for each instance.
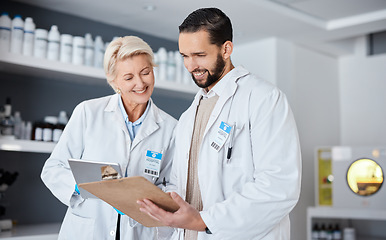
(212, 78)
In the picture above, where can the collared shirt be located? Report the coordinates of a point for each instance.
(217, 89)
(132, 127)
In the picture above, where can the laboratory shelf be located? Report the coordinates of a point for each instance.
(47, 231)
(344, 214)
(55, 70)
(11, 144)
(332, 212)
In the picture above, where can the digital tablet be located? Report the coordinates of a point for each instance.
(86, 171)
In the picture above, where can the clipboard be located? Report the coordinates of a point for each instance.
(123, 194)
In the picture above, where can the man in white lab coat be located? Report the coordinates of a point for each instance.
(237, 163)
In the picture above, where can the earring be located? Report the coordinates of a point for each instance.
(118, 91)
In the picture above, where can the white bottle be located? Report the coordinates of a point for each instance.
(171, 67)
(58, 130)
(29, 35)
(62, 119)
(40, 43)
(50, 122)
(104, 49)
(17, 129)
(163, 58)
(27, 131)
(65, 48)
(99, 52)
(89, 50)
(53, 44)
(78, 50)
(179, 66)
(187, 77)
(156, 67)
(5, 32)
(17, 32)
(349, 233)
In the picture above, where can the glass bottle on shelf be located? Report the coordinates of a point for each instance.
(337, 233)
(5, 31)
(37, 131)
(17, 33)
(89, 50)
(7, 122)
(53, 45)
(315, 232)
(323, 232)
(99, 52)
(329, 232)
(28, 38)
(48, 128)
(18, 126)
(59, 127)
(27, 134)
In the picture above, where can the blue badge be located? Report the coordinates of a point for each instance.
(222, 134)
(152, 163)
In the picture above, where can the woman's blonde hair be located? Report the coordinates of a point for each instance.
(121, 49)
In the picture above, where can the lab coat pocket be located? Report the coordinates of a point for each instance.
(77, 227)
(232, 164)
(232, 176)
(230, 155)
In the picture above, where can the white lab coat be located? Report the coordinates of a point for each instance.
(97, 131)
(251, 196)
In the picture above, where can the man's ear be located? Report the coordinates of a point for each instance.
(227, 48)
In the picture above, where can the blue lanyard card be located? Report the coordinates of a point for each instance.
(152, 163)
(222, 134)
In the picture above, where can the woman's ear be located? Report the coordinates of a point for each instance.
(227, 49)
(115, 87)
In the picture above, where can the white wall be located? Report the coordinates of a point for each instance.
(258, 57)
(310, 81)
(363, 98)
(315, 102)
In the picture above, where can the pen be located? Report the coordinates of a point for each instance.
(230, 147)
(164, 182)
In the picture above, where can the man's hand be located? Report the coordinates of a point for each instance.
(186, 216)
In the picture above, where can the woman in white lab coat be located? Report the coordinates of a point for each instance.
(119, 128)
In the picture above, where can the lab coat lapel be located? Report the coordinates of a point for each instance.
(223, 98)
(192, 116)
(188, 124)
(226, 95)
(149, 125)
(186, 138)
(113, 107)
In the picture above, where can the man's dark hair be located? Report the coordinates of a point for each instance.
(212, 20)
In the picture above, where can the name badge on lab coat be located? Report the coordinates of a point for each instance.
(222, 134)
(152, 163)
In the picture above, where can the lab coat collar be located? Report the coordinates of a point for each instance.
(216, 90)
(113, 107)
(149, 125)
(225, 89)
(224, 85)
(113, 103)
